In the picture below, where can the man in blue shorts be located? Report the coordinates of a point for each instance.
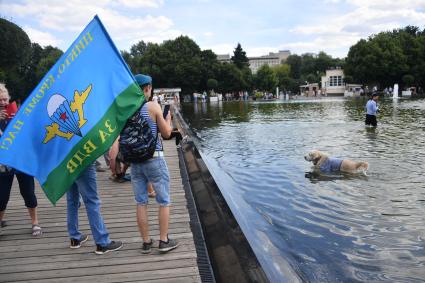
(154, 171)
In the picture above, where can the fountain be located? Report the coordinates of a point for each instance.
(395, 91)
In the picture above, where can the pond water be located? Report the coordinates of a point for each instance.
(311, 227)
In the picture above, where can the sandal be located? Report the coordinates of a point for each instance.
(36, 230)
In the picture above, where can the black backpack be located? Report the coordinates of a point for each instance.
(137, 143)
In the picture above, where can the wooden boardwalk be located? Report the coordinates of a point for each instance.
(49, 258)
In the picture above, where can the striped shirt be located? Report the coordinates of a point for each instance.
(145, 113)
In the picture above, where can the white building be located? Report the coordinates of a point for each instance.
(272, 59)
(255, 63)
(224, 58)
(333, 82)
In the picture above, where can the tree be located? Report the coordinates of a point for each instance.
(15, 50)
(49, 57)
(386, 57)
(41, 61)
(174, 63)
(282, 73)
(323, 62)
(239, 57)
(294, 61)
(209, 68)
(212, 84)
(230, 78)
(266, 79)
(408, 80)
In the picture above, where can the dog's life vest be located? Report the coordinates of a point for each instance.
(331, 165)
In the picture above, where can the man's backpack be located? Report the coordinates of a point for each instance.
(137, 143)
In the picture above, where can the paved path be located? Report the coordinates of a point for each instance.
(49, 258)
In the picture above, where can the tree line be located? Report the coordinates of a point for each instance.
(390, 57)
(382, 59)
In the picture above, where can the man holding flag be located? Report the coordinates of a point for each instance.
(71, 118)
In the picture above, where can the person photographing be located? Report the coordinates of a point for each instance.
(153, 170)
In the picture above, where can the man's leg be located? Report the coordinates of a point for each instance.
(72, 201)
(142, 222)
(5, 187)
(164, 215)
(88, 190)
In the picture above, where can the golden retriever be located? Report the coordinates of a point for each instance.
(326, 163)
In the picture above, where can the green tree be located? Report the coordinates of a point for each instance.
(408, 80)
(15, 50)
(209, 68)
(324, 62)
(386, 57)
(174, 63)
(239, 57)
(212, 84)
(282, 73)
(266, 79)
(41, 61)
(230, 78)
(295, 62)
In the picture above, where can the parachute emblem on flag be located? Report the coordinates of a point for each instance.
(66, 123)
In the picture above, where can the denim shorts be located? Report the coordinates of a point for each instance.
(155, 171)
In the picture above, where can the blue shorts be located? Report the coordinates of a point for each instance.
(154, 171)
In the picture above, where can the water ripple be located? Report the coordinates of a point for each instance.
(329, 227)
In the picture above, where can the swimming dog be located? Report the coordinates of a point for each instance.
(326, 163)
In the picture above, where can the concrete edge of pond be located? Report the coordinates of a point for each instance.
(227, 250)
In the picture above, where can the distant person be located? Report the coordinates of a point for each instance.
(26, 182)
(154, 171)
(85, 185)
(371, 110)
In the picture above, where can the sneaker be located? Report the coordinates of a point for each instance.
(147, 247)
(167, 246)
(113, 246)
(75, 244)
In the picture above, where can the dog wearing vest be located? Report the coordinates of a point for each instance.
(328, 164)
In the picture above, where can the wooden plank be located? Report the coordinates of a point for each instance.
(49, 259)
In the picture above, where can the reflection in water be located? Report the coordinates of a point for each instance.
(329, 228)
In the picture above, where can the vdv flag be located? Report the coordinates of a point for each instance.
(74, 114)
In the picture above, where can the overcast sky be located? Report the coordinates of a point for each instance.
(261, 26)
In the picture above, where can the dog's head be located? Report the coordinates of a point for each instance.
(314, 156)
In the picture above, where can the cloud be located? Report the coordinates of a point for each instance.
(125, 25)
(388, 4)
(222, 48)
(367, 18)
(142, 3)
(42, 38)
(335, 44)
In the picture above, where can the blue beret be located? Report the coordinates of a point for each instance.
(143, 79)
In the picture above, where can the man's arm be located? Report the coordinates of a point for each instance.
(164, 125)
(113, 152)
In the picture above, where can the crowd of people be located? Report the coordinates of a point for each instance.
(149, 178)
